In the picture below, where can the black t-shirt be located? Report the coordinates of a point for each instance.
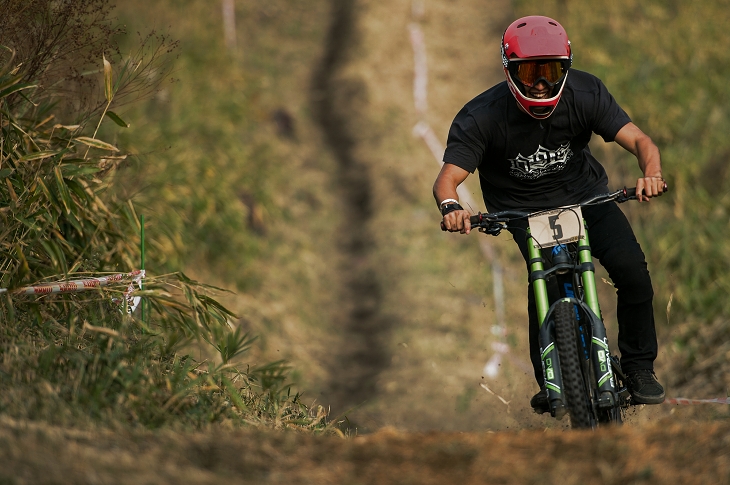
(527, 164)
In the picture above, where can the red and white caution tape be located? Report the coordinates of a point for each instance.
(133, 301)
(684, 400)
(87, 284)
(77, 285)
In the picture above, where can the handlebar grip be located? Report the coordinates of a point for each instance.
(630, 193)
(475, 219)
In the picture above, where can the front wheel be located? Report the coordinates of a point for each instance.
(577, 393)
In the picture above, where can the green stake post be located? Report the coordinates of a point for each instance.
(145, 316)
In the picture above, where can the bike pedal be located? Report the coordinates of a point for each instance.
(559, 411)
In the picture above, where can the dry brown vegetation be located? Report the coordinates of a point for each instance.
(666, 453)
(259, 201)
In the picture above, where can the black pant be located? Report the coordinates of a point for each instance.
(613, 243)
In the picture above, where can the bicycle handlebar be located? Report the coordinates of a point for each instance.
(491, 223)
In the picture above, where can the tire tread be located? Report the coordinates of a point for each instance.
(570, 366)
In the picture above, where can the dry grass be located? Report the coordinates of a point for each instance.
(437, 287)
(661, 453)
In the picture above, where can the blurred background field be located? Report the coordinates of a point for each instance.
(241, 187)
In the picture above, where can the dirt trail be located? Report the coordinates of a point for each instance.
(415, 330)
(362, 352)
(425, 372)
(662, 454)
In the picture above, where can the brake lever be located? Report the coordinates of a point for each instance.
(493, 229)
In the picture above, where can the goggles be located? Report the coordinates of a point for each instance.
(530, 73)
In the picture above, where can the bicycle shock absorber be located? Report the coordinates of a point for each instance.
(548, 350)
(551, 370)
(602, 369)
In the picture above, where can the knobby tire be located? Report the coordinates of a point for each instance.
(574, 385)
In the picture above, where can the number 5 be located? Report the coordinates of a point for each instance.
(557, 228)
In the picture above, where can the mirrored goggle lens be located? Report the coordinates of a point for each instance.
(529, 72)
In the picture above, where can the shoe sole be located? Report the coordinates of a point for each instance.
(639, 399)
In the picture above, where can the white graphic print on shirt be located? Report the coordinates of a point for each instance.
(540, 163)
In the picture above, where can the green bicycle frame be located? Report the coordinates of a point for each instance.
(587, 277)
(599, 350)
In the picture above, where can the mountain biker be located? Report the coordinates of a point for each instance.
(528, 137)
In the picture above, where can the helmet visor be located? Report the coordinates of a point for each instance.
(530, 73)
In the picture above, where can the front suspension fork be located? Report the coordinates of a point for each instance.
(548, 350)
(599, 352)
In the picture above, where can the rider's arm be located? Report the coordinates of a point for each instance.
(444, 189)
(646, 152)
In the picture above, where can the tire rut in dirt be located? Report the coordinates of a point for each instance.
(337, 101)
(570, 365)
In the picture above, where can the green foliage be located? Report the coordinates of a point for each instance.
(69, 357)
(666, 63)
(60, 368)
(54, 220)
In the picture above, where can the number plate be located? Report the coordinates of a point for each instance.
(558, 226)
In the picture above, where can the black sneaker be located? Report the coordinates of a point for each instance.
(539, 402)
(644, 387)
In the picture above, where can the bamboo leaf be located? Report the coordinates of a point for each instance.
(213, 304)
(5, 172)
(63, 189)
(50, 196)
(108, 93)
(75, 170)
(50, 252)
(22, 269)
(15, 88)
(11, 190)
(130, 214)
(116, 119)
(94, 143)
(75, 222)
(78, 189)
(67, 127)
(39, 155)
(27, 223)
(55, 254)
(234, 395)
(11, 80)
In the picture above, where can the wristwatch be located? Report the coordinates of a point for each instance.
(451, 207)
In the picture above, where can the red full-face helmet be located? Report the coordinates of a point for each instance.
(536, 49)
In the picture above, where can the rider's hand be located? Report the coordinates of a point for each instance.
(648, 187)
(457, 221)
